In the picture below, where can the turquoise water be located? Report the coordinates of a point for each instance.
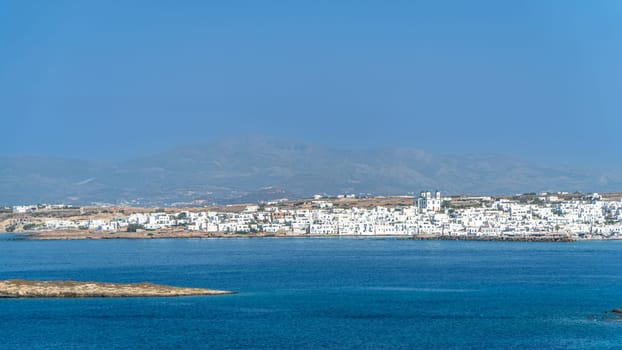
(321, 293)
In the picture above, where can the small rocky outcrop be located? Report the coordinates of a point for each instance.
(74, 289)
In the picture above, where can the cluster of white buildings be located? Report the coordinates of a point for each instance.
(31, 208)
(430, 215)
(93, 224)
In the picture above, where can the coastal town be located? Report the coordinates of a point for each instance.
(543, 216)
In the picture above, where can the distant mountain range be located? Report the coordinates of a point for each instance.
(254, 169)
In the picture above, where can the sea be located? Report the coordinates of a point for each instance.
(316, 293)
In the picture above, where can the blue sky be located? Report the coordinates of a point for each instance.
(541, 80)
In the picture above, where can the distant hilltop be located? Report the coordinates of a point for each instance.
(264, 169)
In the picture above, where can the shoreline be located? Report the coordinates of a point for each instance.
(175, 234)
(552, 239)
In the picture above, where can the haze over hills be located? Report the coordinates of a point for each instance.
(258, 168)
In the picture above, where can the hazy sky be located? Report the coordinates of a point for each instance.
(106, 79)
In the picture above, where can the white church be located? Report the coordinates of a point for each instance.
(428, 202)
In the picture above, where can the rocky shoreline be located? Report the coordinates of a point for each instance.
(94, 235)
(530, 238)
(76, 289)
(53, 235)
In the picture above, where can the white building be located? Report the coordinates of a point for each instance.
(429, 202)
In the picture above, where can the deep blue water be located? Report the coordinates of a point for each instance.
(321, 293)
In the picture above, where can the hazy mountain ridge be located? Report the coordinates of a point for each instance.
(242, 169)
